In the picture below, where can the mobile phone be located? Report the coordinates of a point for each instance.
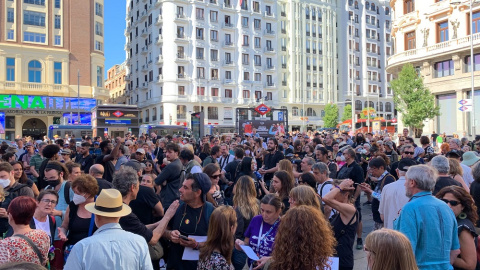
(183, 237)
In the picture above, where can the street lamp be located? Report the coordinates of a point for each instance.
(352, 73)
(472, 68)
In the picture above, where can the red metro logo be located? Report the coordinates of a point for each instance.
(262, 109)
(118, 114)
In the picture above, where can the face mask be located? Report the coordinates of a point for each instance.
(254, 166)
(53, 183)
(78, 199)
(247, 152)
(4, 182)
(342, 158)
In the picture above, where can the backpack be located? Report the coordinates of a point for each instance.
(323, 185)
(66, 191)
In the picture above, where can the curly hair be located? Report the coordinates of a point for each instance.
(305, 195)
(445, 148)
(465, 199)
(86, 184)
(304, 240)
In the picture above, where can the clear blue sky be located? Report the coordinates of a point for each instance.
(114, 23)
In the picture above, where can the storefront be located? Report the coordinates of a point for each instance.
(115, 120)
(32, 115)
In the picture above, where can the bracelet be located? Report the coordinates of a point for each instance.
(339, 188)
(196, 247)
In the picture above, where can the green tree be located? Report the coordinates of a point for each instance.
(371, 110)
(331, 116)
(413, 99)
(347, 112)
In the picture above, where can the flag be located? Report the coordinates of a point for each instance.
(241, 1)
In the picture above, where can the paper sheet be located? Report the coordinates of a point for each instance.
(334, 263)
(250, 253)
(189, 254)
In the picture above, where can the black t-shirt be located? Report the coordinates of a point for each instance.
(434, 137)
(78, 227)
(103, 184)
(475, 192)
(171, 174)
(354, 172)
(444, 181)
(144, 204)
(132, 223)
(332, 168)
(85, 163)
(231, 169)
(271, 161)
(188, 221)
(388, 179)
(108, 166)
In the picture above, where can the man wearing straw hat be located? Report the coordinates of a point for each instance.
(110, 247)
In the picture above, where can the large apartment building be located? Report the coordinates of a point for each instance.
(221, 55)
(50, 51)
(435, 36)
(116, 84)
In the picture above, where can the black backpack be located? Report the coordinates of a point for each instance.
(66, 191)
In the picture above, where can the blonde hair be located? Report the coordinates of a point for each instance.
(286, 165)
(382, 244)
(245, 197)
(305, 195)
(455, 167)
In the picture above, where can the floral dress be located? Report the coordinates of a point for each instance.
(16, 249)
(215, 262)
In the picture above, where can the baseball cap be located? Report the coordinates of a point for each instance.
(406, 163)
(28, 144)
(65, 151)
(140, 150)
(133, 164)
(455, 152)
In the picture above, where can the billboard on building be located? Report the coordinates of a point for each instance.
(264, 128)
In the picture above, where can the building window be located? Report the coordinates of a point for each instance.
(442, 31)
(408, 6)
(200, 91)
(57, 71)
(294, 111)
(388, 107)
(214, 92)
(358, 105)
(11, 35)
(57, 3)
(475, 22)
(311, 112)
(99, 9)
(443, 69)
(212, 113)
(410, 41)
(246, 94)
(99, 29)
(99, 76)
(228, 93)
(34, 71)
(10, 15)
(181, 111)
(58, 21)
(33, 18)
(58, 40)
(10, 69)
(476, 63)
(98, 45)
(181, 90)
(35, 2)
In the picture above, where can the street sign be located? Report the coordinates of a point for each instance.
(394, 120)
(280, 116)
(466, 102)
(465, 108)
(262, 109)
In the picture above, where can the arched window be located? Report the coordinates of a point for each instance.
(367, 5)
(373, 7)
(34, 71)
(366, 104)
(322, 114)
(372, 104)
(311, 112)
(387, 11)
(381, 107)
(388, 107)
(294, 111)
(358, 105)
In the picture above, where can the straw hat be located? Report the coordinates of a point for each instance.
(109, 204)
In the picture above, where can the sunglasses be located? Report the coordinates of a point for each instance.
(452, 203)
(409, 153)
(216, 176)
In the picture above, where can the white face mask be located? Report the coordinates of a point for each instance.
(78, 199)
(247, 152)
(4, 182)
(342, 158)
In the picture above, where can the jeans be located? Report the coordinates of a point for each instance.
(239, 258)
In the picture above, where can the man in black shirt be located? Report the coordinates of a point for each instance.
(441, 164)
(351, 170)
(271, 160)
(107, 157)
(407, 152)
(97, 171)
(321, 154)
(171, 176)
(84, 158)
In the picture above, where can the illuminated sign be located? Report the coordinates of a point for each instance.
(113, 121)
(117, 113)
(18, 102)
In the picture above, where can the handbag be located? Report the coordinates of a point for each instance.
(156, 251)
(33, 246)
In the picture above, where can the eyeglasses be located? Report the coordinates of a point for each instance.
(402, 140)
(64, 154)
(409, 153)
(452, 203)
(216, 176)
(47, 201)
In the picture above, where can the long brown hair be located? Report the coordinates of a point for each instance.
(287, 183)
(245, 197)
(305, 195)
(286, 165)
(220, 234)
(304, 240)
(465, 199)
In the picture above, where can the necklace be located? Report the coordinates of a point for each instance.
(187, 221)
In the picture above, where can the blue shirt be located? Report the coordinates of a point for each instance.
(431, 227)
(110, 247)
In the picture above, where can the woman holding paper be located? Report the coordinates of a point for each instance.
(261, 232)
(216, 253)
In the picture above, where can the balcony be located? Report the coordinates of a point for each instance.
(269, 85)
(34, 88)
(214, 59)
(182, 76)
(284, 83)
(269, 15)
(159, 59)
(181, 18)
(284, 48)
(228, 26)
(144, 86)
(144, 32)
(159, 40)
(270, 68)
(214, 39)
(181, 37)
(159, 20)
(228, 81)
(269, 50)
(269, 32)
(228, 6)
(214, 78)
(200, 57)
(284, 66)
(200, 18)
(160, 78)
(144, 49)
(228, 44)
(258, 64)
(145, 68)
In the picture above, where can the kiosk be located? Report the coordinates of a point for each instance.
(115, 120)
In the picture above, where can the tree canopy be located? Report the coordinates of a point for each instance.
(331, 116)
(347, 112)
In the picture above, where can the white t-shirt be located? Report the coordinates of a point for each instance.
(326, 188)
(467, 174)
(392, 200)
(44, 226)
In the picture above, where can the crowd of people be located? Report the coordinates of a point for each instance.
(231, 202)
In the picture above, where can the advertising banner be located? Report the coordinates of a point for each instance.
(264, 128)
(2, 123)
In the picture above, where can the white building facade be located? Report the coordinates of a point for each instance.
(435, 36)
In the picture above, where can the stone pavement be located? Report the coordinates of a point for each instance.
(359, 255)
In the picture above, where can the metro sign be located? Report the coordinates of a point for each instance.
(465, 108)
(262, 109)
(118, 114)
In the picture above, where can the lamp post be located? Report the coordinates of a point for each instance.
(78, 96)
(352, 69)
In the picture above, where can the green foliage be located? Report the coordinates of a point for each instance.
(413, 99)
(371, 110)
(347, 112)
(331, 116)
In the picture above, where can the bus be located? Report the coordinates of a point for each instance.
(163, 130)
(376, 125)
(62, 130)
